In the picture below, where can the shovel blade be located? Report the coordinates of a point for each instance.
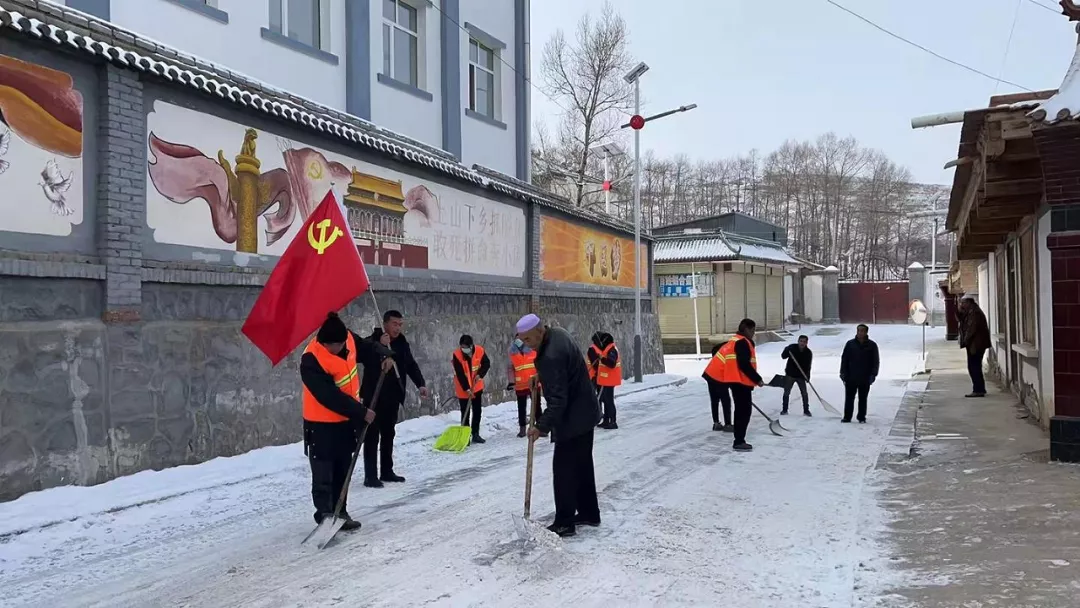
(521, 527)
(324, 532)
(775, 428)
(828, 408)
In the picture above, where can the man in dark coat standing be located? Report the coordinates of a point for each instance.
(571, 415)
(975, 338)
(799, 360)
(858, 370)
(379, 442)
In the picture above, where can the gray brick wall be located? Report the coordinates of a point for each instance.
(123, 357)
(121, 196)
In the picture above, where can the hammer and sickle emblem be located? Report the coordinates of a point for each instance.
(315, 170)
(324, 241)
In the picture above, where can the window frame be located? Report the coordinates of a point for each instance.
(389, 47)
(321, 33)
(493, 72)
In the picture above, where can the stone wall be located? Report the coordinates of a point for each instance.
(117, 356)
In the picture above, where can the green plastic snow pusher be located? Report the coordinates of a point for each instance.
(456, 438)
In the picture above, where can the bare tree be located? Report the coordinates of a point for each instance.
(585, 77)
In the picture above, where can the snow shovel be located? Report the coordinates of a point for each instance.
(456, 438)
(329, 526)
(824, 404)
(526, 529)
(773, 424)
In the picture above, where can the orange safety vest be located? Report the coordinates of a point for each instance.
(524, 369)
(345, 376)
(605, 374)
(471, 369)
(724, 367)
(592, 369)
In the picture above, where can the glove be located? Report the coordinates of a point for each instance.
(872, 378)
(509, 386)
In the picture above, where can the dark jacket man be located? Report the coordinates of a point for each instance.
(859, 365)
(797, 357)
(572, 413)
(379, 446)
(572, 406)
(975, 338)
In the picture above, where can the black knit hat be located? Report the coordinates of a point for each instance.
(466, 340)
(333, 330)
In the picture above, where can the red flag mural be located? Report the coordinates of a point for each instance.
(321, 271)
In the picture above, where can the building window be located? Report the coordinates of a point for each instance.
(401, 39)
(482, 79)
(299, 20)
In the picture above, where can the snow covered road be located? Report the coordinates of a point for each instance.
(686, 520)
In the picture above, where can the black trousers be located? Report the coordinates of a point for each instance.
(742, 399)
(477, 405)
(975, 370)
(379, 444)
(606, 395)
(790, 382)
(719, 395)
(851, 389)
(523, 402)
(327, 480)
(574, 480)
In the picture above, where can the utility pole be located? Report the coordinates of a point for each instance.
(637, 121)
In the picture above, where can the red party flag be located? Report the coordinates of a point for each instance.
(321, 271)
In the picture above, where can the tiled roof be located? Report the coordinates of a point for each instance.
(102, 39)
(718, 247)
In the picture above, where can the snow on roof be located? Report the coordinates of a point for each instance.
(63, 26)
(717, 248)
(1065, 104)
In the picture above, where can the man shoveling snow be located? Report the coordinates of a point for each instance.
(572, 414)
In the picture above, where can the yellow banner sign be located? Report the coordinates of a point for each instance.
(571, 253)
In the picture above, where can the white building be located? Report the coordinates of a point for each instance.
(452, 74)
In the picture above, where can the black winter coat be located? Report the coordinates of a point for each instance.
(860, 362)
(371, 353)
(330, 440)
(572, 407)
(797, 358)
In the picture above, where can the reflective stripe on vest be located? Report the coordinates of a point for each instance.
(732, 374)
(344, 373)
(472, 368)
(524, 369)
(607, 375)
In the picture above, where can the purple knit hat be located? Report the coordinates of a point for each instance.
(529, 321)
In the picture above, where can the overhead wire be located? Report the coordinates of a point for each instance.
(1008, 45)
(923, 48)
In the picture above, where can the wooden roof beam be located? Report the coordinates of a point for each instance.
(993, 226)
(1015, 187)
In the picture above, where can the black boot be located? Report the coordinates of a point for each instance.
(716, 426)
(476, 438)
(372, 482)
(521, 432)
(806, 412)
(392, 477)
(562, 531)
(783, 412)
(743, 447)
(350, 523)
(728, 428)
(580, 520)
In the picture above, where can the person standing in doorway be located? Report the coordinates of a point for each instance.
(522, 370)
(975, 338)
(741, 376)
(604, 358)
(719, 393)
(379, 442)
(799, 359)
(470, 364)
(859, 366)
(570, 416)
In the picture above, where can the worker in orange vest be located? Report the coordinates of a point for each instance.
(735, 364)
(333, 413)
(470, 364)
(521, 371)
(606, 371)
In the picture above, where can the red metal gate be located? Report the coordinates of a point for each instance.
(884, 302)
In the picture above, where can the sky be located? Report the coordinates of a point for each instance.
(765, 71)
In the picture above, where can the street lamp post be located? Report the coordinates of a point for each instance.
(636, 123)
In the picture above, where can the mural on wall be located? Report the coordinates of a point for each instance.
(198, 197)
(41, 146)
(571, 253)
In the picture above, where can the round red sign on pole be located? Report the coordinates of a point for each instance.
(637, 121)
(607, 185)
